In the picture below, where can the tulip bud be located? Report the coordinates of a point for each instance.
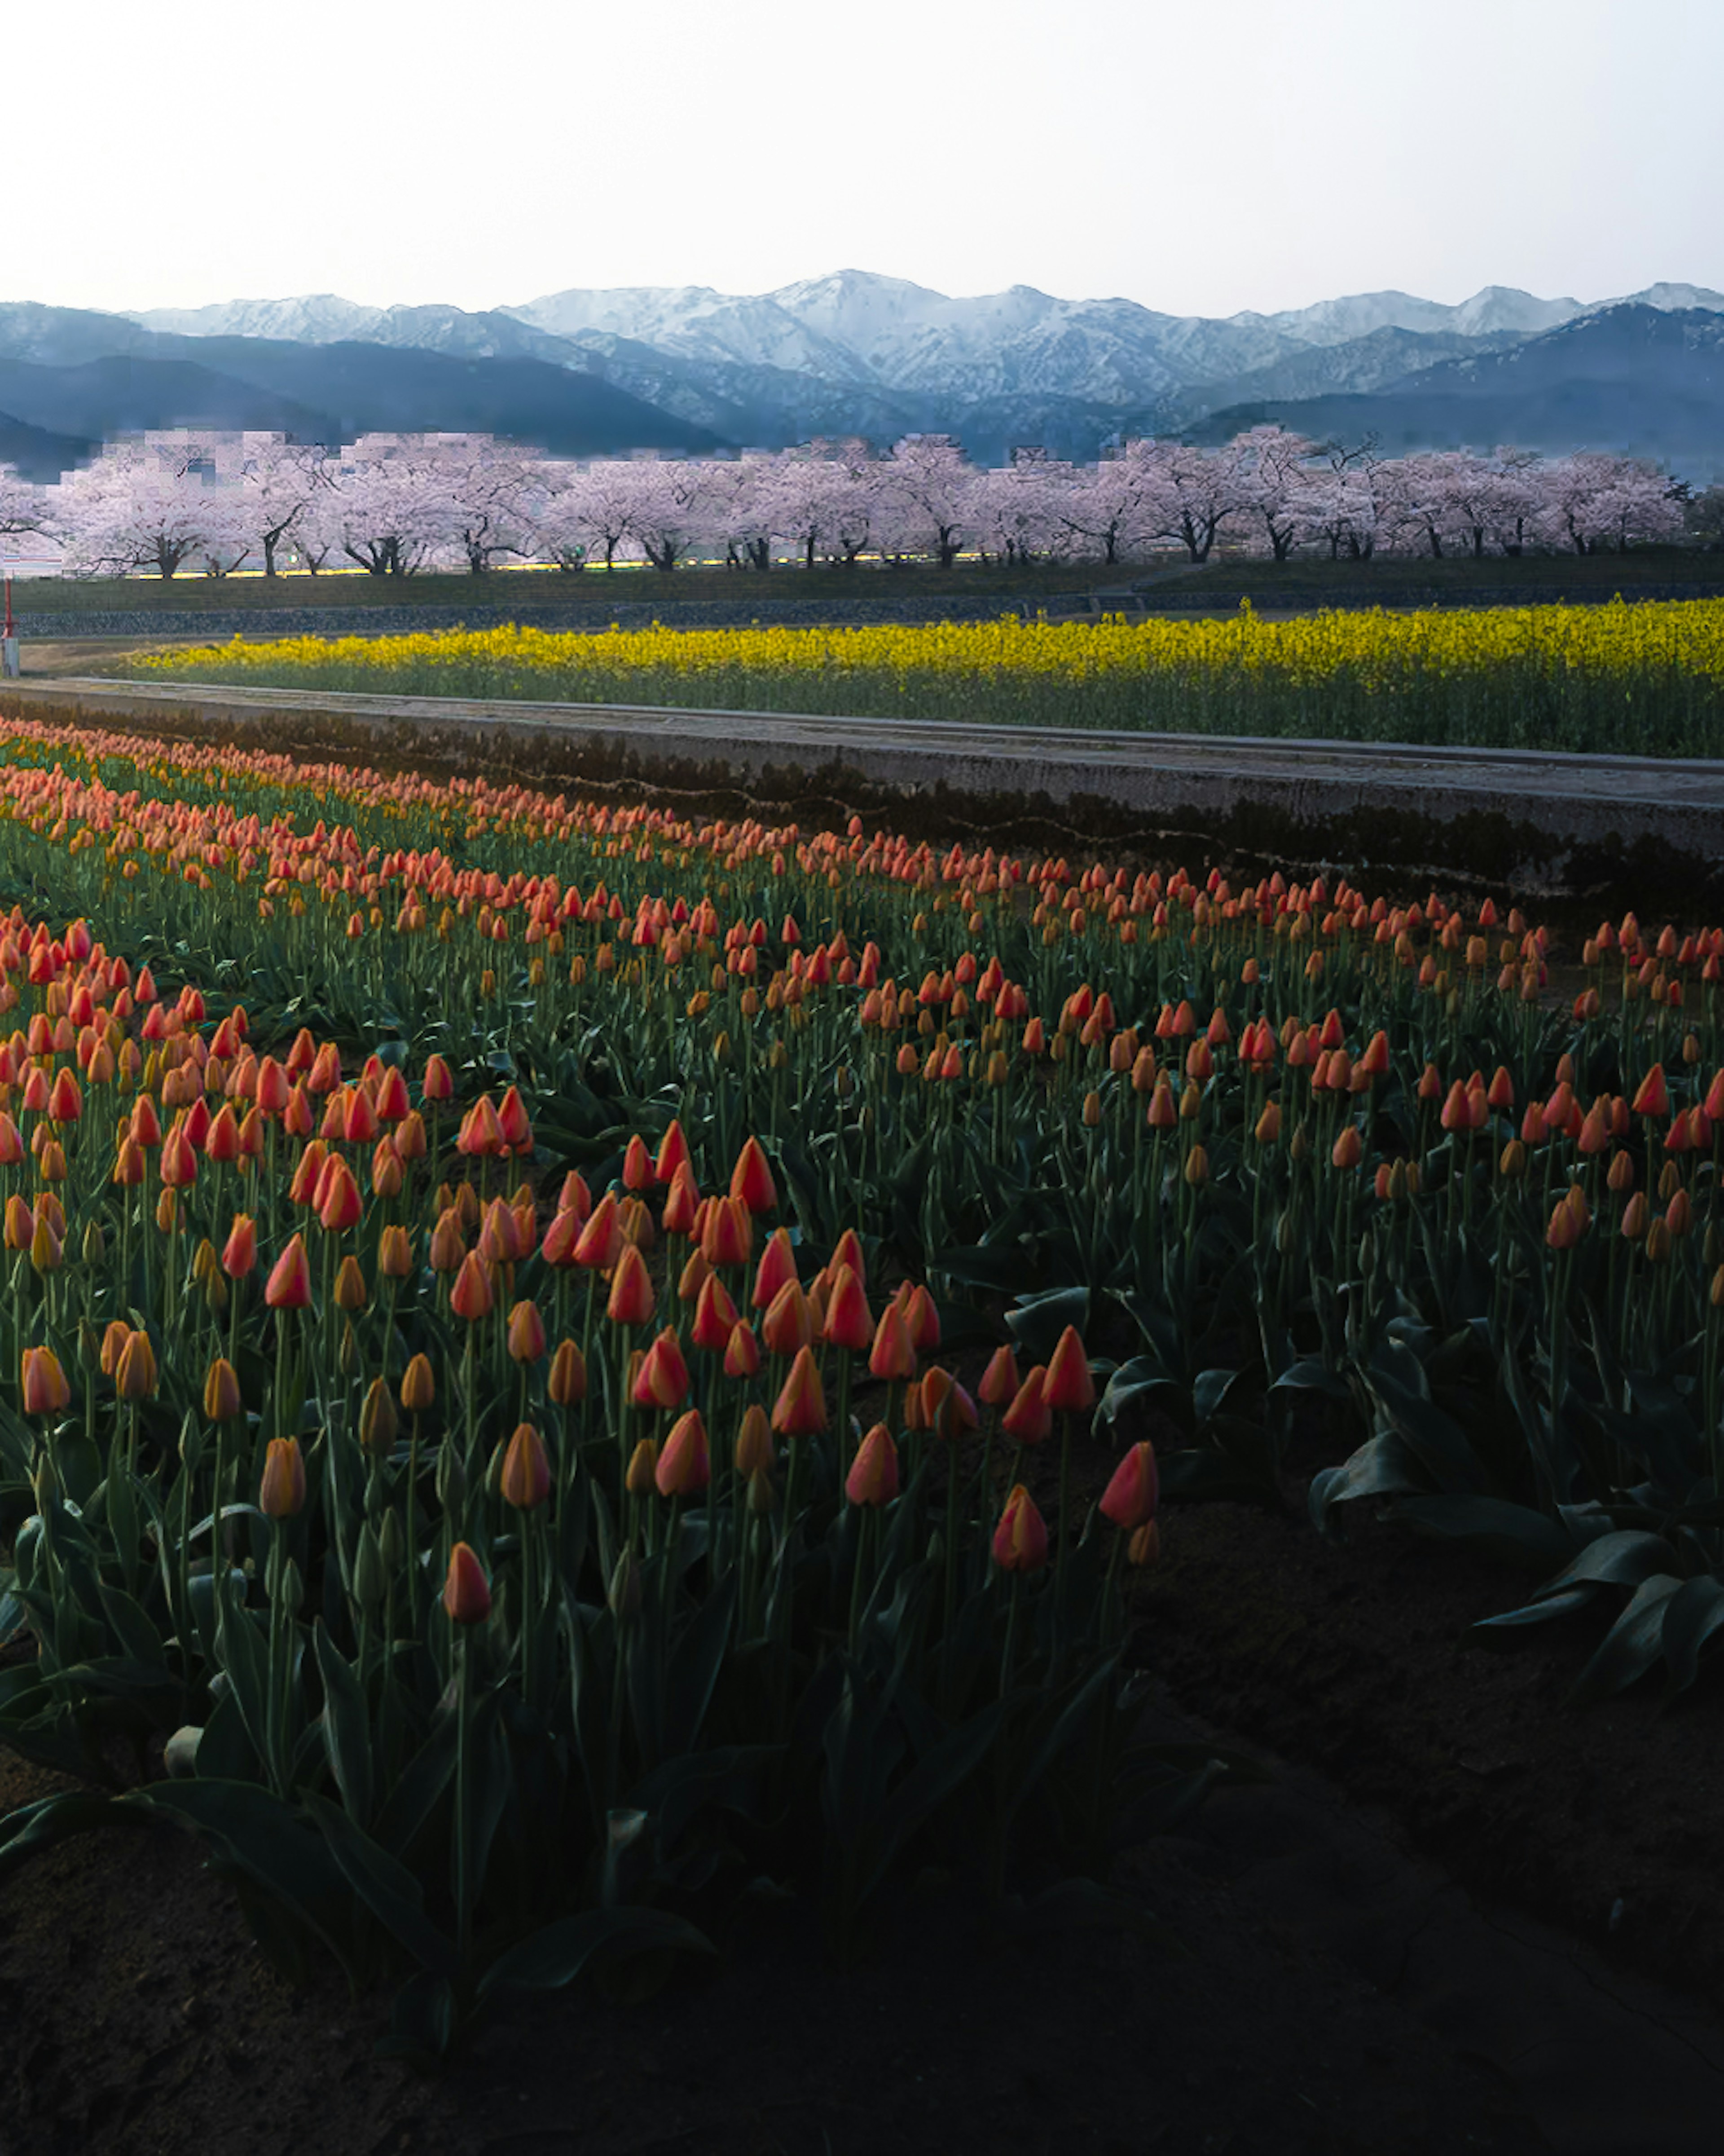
(134, 1373)
(1130, 1497)
(418, 1387)
(567, 1384)
(451, 1482)
(623, 1593)
(685, 1466)
(283, 1492)
(43, 1385)
(376, 1417)
(525, 1479)
(800, 1409)
(350, 1285)
(1145, 1546)
(873, 1479)
(1020, 1541)
(288, 1286)
(221, 1391)
(466, 1592)
(754, 1442)
(643, 1468)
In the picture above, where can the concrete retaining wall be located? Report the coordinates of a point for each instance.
(1545, 825)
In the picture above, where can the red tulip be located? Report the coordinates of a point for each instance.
(1132, 1496)
(288, 1286)
(631, 1301)
(849, 1322)
(1020, 1541)
(892, 1354)
(1652, 1097)
(778, 1265)
(742, 1355)
(873, 1479)
(527, 1333)
(663, 1379)
(1030, 1418)
(43, 1383)
(800, 1409)
(751, 1179)
(466, 1592)
(685, 1465)
(1068, 1387)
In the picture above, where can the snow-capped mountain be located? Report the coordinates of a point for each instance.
(326, 319)
(858, 353)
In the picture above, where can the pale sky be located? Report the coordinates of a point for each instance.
(1198, 156)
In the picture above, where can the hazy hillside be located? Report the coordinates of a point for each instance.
(587, 372)
(1630, 379)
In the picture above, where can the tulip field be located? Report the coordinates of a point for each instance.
(1644, 679)
(557, 1362)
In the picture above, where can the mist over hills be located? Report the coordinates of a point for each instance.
(687, 369)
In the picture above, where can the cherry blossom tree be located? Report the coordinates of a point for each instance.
(489, 488)
(393, 503)
(669, 506)
(275, 481)
(1019, 509)
(1275, 473)
(1201, 489)
(1591, 499)
(150, 502)
(1119, 504)
(927, 490)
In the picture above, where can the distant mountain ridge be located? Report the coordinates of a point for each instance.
(586, 372)
(856, 353)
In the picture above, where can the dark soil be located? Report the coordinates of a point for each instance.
(1418, 1955)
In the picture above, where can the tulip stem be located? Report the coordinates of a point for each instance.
(464, 1798)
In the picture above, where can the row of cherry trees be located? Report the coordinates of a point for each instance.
(394, 503)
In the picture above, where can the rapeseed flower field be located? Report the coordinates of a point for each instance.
(1645, 678)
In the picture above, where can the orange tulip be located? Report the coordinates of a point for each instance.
(527, 1333)
(283, 1491)
(466, 1592)
(873, 1479)
(1131, 1495)
(663, 1378)
(893, 1355)
(525, 1479)
(1029, 1419)
(1020, 1541)
(418, 1387)
(631, 1301)
(1068, 1386)
(751, 1179)
(221, 1391)
(472, 1296)
(685, 1465)
(288, 1286)
(800, 1409)
(43, 1383)
(754, 1442)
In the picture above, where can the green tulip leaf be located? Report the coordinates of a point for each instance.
(1538, 1613)
(388, 1889)
(38, 1825)
(1694, 1616)
(1633, 1644)
(556, 1956)
(1515, 1534)
(347, 1727)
